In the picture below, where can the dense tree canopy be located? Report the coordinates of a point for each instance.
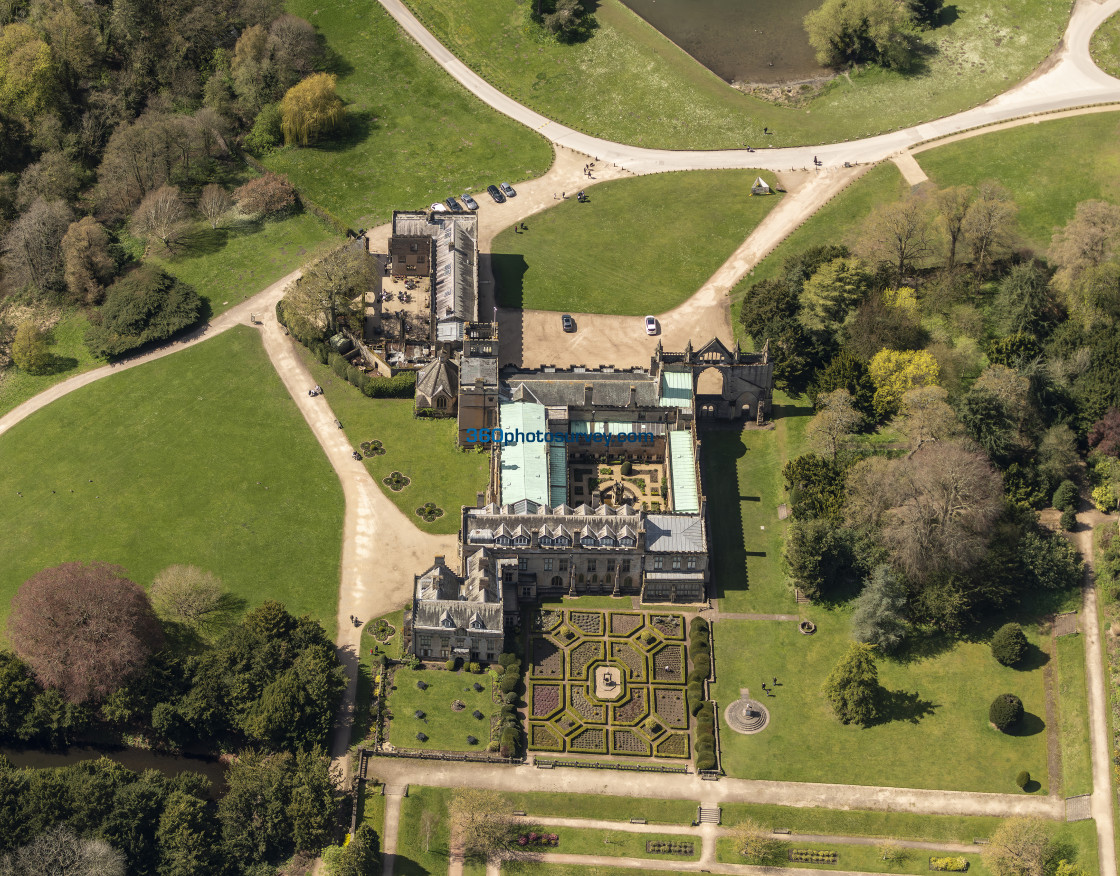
(144, 306)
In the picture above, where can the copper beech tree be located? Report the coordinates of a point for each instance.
(83, 628)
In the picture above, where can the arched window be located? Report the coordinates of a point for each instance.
(557, 581)
(441, 402)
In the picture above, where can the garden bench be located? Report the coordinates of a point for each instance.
(637, 821)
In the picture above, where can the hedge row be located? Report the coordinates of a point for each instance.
(511, 739)
(706, 737)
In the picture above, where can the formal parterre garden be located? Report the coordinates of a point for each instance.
(647, 654)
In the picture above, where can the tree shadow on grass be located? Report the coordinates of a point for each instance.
(777, 412)
(902, 705)
(1030, 725)
(924, 645)
(360, 123)
(57, 365)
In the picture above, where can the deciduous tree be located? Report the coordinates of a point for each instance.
(836, 420)
(989, 225)
(756, 843)
(482, 823)
(925, 416)
(311, 110)
(83, 628)
(32, 251)
(894, 372)
(952, 206)
(830, 294)
(270, 194)
(186, 594)
(88, 263)
(61, 852)
(321, 300)
(214, 203)
(162, 216)
(29, 348)
(898, 233)
(846, 32)
(1105, 433)
(1019, 847)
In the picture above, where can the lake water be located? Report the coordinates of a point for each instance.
(133, 758)
(758, 41)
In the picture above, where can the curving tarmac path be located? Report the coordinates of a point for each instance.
(1068, 79)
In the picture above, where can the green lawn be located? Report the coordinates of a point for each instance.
(863, 859)
(415, 135)
(544, 803)
(237, 261)
(201, 457)
(630, 84)
(70, 357)
(1105, 46)
(1073, 706)
(447, 730)
(412, 857)
(642, 245)
(854, 822)
(937, 701)
(835, 222)
(743, 477)
(616, 843)
(422, 449)
(1033, 162)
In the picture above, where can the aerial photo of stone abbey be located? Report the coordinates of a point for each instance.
(559, 437)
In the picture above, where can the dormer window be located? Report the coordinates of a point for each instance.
(521, 540)
(446, 621)
(505, 541)
(607, 541)
(477, 624)
(588, 541)
(546, 541)
(626, 541)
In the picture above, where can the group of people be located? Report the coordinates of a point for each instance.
(318, 390)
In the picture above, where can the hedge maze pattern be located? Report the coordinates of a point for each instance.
(566, 646)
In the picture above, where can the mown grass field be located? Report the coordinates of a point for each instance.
(415, 135)
(238, 260)
(743, 476)
(415, 855)
(855, 822)
(1105, 46)
(422, 449)
(936, 710)
(199, 458)
(1048, 168)
(447, 730)
(630, 84)
(641, 245)
(859, 858)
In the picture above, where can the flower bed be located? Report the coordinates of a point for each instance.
(547, 700)
(633, 710)
(527, 840)
(589, 739)
(428, 512)
(670, 847)
(953, 865)
(543, 737)
(396, 481)
(548, 659)
(673, 745)
(581, 656)
(547, 620)
(668, 664)
(372, 448)
(628, 742)
(590, 623)
(624, 624)
(669, 625)
(812, 856)
(564, 724)
(634, 662)
(669, 706)
(592, 713)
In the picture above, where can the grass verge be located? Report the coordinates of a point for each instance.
(743, 477)
(1073, 707)
(422, 449)
(199, 458)
(630, 84)
(935, 708)
(854, 822)
(544, 803)
(422, 851)
(236, 261)
(603, 256)
(858, 858)
(616, 843)
(441, 139)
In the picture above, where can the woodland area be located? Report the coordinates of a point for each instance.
(122, 124)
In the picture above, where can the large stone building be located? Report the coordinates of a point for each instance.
(595, 479)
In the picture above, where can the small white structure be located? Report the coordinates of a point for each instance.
(760, 187)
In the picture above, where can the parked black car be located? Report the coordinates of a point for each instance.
(493, 192)
(454, 205)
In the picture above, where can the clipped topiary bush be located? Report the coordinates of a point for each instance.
(1006, 711)
(1068, 520)
(695, 697)
(1065, 497)
(1009, 644)
(1023, 779)
(452, 664)
(508, 684)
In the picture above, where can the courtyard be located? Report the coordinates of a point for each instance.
(607, 683)
(447, 709)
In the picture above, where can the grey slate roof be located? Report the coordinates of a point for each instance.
(454, 261)
(567, 388)
(474, 367)
(678, 533)
(437, 374)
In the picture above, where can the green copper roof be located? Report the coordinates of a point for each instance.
(676, 389)
(682, 470)
(524, 463)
